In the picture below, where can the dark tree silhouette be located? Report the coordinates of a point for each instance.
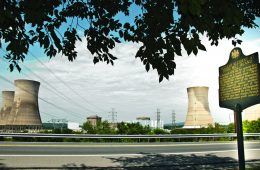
(162, 28)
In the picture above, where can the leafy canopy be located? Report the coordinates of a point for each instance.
(162, 28)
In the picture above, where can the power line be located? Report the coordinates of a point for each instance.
(39, 78)
(56, 106)
(56, 91)
(29, 77)
(49, 114)
(50, 89)
(65, 84)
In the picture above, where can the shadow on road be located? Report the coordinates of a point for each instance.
(181, 162)
(3, 166)
(157, 161)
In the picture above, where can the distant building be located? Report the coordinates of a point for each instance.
(150, 123)
(171, 126)
(53, 125)
(145, 121)
(252, 113)
(20, 109)
(198, 115)
(93, 120)
(74, 126)
(154, 124)
(7, 103)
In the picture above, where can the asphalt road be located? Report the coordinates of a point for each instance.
(126, 156)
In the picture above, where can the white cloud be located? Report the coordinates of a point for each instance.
(128, 88)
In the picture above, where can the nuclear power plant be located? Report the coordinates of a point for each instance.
(20, 109)
(7, 103)
(252, 113)
(198, 108)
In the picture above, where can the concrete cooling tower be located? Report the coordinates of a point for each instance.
(252, 113)
(25, 110)
(198, 108)
(7, 103)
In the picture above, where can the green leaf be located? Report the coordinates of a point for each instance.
(195, 51)
(121, 33)
(127, 25)
(201, 47)
(160, 78)
(95, 60)
(239, 41)
(18, 67)
(234, 42)
(56, 40)
(112, 62)
(9, 47)
(112, 57)
(147, 67)
(11, 67)
(117, 40)
(166, 76)
(46, 42)
(106, 31)
(34, 38)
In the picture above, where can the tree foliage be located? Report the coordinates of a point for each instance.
(132, 129)
(251, 126)
(216, 128)
(162, 28)
(231, 128)
(159, 131)
(102, 127)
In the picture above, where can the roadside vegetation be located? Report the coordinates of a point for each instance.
(123, 128)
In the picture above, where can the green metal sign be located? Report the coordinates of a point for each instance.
(239, 81)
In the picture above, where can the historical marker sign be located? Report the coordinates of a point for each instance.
(239, 80)
(238, 89)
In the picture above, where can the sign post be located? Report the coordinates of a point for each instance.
(239, 88)
(240, 139)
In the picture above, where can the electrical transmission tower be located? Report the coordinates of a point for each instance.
(58, 122)
(173, 119)
(113, 116)
(158, 118)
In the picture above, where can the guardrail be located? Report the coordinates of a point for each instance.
(101, 136)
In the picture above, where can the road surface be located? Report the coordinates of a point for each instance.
(126, 156)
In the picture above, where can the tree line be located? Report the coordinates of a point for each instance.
(123, 128)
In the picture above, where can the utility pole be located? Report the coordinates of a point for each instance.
(173, 119)
(158, 118)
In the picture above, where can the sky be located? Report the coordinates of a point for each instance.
(91, 89)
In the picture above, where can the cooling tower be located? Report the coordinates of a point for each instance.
(25, 110)
(7, 103)
(198, 108)
(252, 113)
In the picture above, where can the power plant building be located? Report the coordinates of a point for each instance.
(24, 109)
(93, 120)
(198, 115)
(144, 121)
(7, 103)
